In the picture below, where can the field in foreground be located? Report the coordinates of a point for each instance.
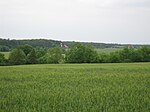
(75, 88)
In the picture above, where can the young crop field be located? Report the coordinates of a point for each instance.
(75, 88)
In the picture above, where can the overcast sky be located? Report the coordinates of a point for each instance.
(113, 21)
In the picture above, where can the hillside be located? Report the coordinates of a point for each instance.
(7, 44)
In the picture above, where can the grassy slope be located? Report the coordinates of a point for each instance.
(67, 88)
(108, 50)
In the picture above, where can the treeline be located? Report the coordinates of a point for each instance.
(78, 53)
(7, 44)
(85, 54)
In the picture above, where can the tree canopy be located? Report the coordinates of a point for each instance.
(81, 54)
(17, 57)
(78, 53)
(53, 55)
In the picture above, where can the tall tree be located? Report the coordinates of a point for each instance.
(26, 48)
(145, 54)
(114, 57)
(17, 57)
(81, 54)
(31, 57)
(53, 55)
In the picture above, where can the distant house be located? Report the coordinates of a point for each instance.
(63, 45)
(130, 46)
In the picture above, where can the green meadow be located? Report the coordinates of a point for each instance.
(123, 87)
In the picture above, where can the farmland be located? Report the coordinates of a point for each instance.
(123, 87)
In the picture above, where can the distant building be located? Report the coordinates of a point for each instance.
(130, 46)
(63, 45)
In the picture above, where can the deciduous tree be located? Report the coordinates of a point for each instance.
(17, 57)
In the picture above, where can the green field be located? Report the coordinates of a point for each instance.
(75, 88)
(108, 50)
(6, 54)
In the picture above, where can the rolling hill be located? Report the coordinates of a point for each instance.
(8, 44)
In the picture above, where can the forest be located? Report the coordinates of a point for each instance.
(7, 44)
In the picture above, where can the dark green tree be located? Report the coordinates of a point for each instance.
(75, 54)
(40, 52)
(53, 55)
(31, 57)
(42, 60)
(145, 54)
(103, 58)
(114, 57)
(91, 56)
(126, 54)
(81, 54)
(26, 48)
(17, 57)
(2, 57)
(4, 48)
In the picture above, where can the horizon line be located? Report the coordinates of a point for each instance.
(47, 38)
